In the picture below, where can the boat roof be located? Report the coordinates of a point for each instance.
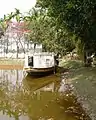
(42, 54)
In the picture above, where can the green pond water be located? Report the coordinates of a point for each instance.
(27, 98)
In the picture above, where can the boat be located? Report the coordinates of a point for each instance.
(42, 63)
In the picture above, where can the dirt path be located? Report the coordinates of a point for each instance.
(18, 67)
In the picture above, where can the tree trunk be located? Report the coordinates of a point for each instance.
(22, 45)
(87, 59)
(17, 48)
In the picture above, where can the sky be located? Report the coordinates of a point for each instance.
(7, 6)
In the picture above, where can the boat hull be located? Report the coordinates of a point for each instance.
(40, 71)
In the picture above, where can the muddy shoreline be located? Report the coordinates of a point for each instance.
(84, 107)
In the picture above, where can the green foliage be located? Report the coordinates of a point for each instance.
(4, 21)
(79, 17)
(46, 31)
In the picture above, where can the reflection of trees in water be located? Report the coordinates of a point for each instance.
(9, 94)
(15, 98)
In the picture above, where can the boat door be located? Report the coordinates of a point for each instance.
(30, 61)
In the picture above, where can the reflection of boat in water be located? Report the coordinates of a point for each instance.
(40, 63)
(46, 83)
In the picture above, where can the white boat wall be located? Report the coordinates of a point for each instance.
(40, 62)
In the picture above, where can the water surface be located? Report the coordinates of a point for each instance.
(27, 98)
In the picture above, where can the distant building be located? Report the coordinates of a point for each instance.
(14, 44)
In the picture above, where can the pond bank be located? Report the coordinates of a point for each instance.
(83, 83)
(16, 67)
(6, 63)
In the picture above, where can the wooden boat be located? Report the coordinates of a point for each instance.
(42, 63)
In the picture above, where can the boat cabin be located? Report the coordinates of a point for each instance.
(40, 60)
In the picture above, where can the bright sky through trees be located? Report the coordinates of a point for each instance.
(7, 6)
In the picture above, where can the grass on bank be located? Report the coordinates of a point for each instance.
(71, 64)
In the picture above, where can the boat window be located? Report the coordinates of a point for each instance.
(47, 61)
(30, 61)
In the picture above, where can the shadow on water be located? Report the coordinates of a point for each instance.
(45, 98)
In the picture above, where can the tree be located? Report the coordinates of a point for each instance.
(45, 30)
(18, 28)
(7, 18)
(78, 17)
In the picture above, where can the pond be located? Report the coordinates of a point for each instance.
(27, 98)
